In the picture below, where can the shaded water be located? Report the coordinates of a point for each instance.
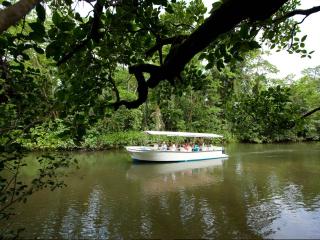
(261, 191)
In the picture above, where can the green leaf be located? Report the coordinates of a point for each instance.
(66, 26)
(37, 27)
(131, 26)
(79, 33)
(202, 56)
(53, 49)
(19, 67)
(78, 17)
(160, 2)
(25, 56)
(209, 66)
(227, 58)
(254, 45)
(6, 3)
(220, 65)
(169, 9)
(41, 12)
(38, 49)
(56, 18)
(3, 42)
(37, 37)
(52, 32)
(244, 31)
(303, 38)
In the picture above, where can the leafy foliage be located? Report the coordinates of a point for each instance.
(13, 190)
(266, 116)
(61, 74)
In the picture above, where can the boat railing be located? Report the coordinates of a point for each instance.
(158, 149)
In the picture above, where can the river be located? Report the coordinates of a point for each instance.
(260, 191)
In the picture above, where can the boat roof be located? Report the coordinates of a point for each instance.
(184, 134)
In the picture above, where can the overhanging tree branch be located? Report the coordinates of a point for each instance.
(12, 14)
(94, 34)
(305, 12)
(310, 112)
(228, 16)
(173, 40)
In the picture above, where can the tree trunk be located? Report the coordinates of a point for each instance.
(158, 118)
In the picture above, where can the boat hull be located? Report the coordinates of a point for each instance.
(149, 155)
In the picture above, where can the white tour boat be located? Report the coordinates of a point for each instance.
(155, 154)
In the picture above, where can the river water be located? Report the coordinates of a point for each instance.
(260, 191)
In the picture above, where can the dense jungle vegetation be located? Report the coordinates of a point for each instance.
(62, 88)
(95, 81)
(243, 104)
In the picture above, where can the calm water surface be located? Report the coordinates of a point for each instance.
(261, 191)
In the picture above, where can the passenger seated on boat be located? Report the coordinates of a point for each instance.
(195, 148)
(189, 148)
(210, 148)
(172, 147)
(203, 147)
(185, 146)
(164, 146)
(182, 148)
(155, 146)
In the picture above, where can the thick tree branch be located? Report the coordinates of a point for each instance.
(94, 34)
(143, 85)
(173, 40)
(114, 86)
(228, 16)
(12, 14)
(76, 49)
(311, 112)
(305, 12)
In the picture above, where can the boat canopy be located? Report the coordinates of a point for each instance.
(184, 134)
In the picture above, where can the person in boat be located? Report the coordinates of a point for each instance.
(210, 147)
(196, 148)
(156, 146)
(185, 146)
(182, 148)
(164, 147)
(172, 147)
(203, 147)
(189, 147)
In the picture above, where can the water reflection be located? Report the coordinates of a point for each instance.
(274, 194)
(163, 177)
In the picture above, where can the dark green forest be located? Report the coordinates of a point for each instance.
(64, 86)
(69, 81)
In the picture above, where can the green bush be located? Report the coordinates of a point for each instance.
(52, 134)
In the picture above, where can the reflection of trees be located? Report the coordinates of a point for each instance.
(240, 199)
(15, 188)
(277, 180)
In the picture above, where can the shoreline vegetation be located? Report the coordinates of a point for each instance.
(118, 140)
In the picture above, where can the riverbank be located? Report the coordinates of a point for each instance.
(94, 141)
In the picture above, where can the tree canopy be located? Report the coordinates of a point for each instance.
(154, 39)
(70, 81)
